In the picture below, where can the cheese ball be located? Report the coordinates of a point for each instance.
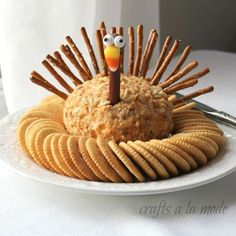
(143, 113)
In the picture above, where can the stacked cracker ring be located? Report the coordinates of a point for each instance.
(42, 136)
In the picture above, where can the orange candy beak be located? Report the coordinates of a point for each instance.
(113, 63)
(112, 56)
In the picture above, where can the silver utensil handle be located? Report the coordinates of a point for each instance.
(224, 117)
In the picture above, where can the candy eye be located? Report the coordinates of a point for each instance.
(108, 40)
(119, 41)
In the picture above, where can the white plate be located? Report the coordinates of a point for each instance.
(13, 157)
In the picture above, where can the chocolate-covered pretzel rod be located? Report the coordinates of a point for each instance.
(181, 61)
(101, 52)
(179, 75)
(149, 53)
(36, 78)
(159, 73)
(180, 86)
(53, 72)
(194, 94)
(102, 28)
(138, 50)
(131, 50)
(90, 50)
(69, 54)
(60, 64)
(79, 56)
(120, 31)
(162, 55)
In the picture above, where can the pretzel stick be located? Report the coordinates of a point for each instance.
(131, 50)
(79, 56)
(181, 61)
(101, 52)
(90, 49)
(191, 78)
(146, 51)
(36, 78)
(139, 49)
(59, 62)
(57, 76)
(179, 75)
(195, 94)
(69, 54)
(102, 28)
(113, 30)
(54, 61)
(179, 105)
(157, 76)
(186, 107)
(149, 54)
(180, 86)
(172, 98)
(75, 80)
(197, 75)
(119, 31)
(163, 54)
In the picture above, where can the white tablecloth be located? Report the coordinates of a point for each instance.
(32, 208)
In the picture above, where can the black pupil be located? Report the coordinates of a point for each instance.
(106, 39)
(121, 40)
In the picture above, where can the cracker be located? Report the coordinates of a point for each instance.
(50, 123)
(21, 130)
(48, 98)
(193, 120)
(101, 162)
(89, 161)
(204, 138)
(31, 134)
(193, 124)
(153, 162)
(187, 116)
(182, 153)
(201, 128)
(53, 108)
(171, 168)
(194, 152)
(139, 160)
(40, 114)
(126, 160)
(219, 139)
(67, 156)
(116, 164)
(77, 159)
(58, 157)
(204, 146)
(43, 123)
(41, 134)
(179, 161)
(52, 99)
(48, 154)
